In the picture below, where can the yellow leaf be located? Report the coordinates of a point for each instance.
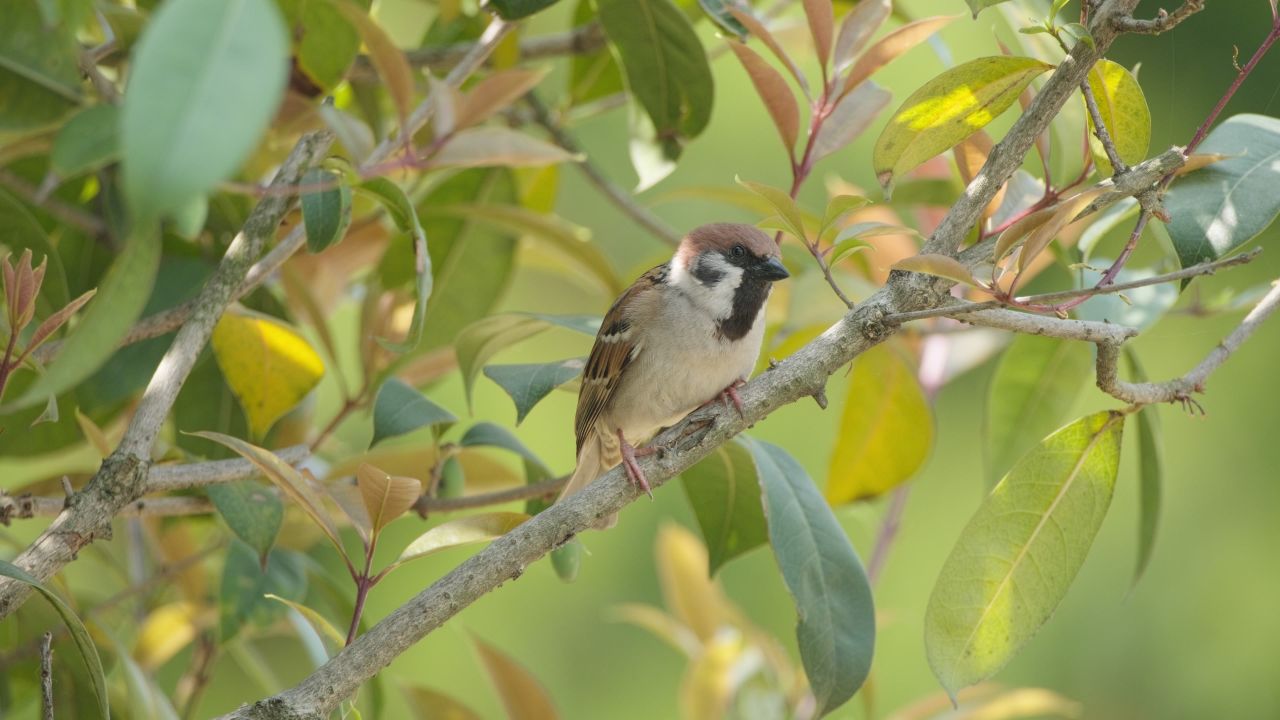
(1025, 703)
(713, 678)
(93, 434)
(463, 531)
(1124, 111)
(1201, 160)
(691, 596)
(267, 364)
(886, 429)
(427, 704)
(168, 629)
(660, 624)
(948, 109)
(386, 497)
(937, 265)
(522, 695)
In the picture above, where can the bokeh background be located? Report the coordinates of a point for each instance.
(1198, 637)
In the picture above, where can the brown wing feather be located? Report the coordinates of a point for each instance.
(613, 350)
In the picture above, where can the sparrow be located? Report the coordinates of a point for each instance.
(685, 334)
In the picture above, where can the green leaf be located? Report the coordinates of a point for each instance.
(516, 9)
(1225, 205)
(405, 216)
(487, 434)
(886, 429)
(977, 6)
(1033, 388)
(948, 109)
(463, 531)
(246, 584)
(527, 384)
(666, 68)
(724, 492)
(88, 141)
(251, 511)
(481, 340)
(325, 213)
(595, 75)
(39, 77)
(782, 203)
(324, 42)
(79, 634)
(107, 318)
(400, 409)
(323, 627)
(1016, 558)
(718, 11)
(837, 625)
(566, 560)
(1124, 111)
(1150, 471)
(23, 232)
(195, 61)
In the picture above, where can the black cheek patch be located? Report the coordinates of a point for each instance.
(706, 274)
(747, 301)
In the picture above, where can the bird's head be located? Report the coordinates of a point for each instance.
(724, 265)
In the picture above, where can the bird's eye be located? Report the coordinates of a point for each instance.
(738, 251)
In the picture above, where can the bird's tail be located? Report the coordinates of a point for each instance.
(593, 461)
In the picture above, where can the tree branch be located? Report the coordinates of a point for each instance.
(1180, 389)
(1162, 22)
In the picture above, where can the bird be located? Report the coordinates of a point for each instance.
(685, 334)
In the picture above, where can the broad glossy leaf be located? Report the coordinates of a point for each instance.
(79, 634)
(940, 265)
(121, 296)
(195, 60)
(853, 114)
(481, 340)
(245, 585)
(774, 91)
(386, 497)
(267, 364)
(523, 697)
(527, 384)
(251, 511)
(1220, 208)
(487, 434)
(1124, 112)
(463, 531)
(391, 64)
(592, 75)
(837, 627)
(666, 68)
(39, 77)
(399, 409)
(724, 492)
(427, 704)
(88, 141)
(1015, 560)
(326, 212)
(324, 42)
(886, 428)
(490, 146)
(1033, 388)
(1150, 471)
(949, 108)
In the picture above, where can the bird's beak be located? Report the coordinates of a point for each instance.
(772, 269)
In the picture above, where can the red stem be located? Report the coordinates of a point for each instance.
(364, 583)
(1241, 76)
(7, 364)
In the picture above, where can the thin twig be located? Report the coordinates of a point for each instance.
(1118, 165)
(1163, 21)
(46, 676)
(545, 489)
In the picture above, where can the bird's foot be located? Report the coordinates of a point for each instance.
(730, 395)
(629, 457)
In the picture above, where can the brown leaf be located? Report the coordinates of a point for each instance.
(386, 497)
(822, 22)
(853, 114)
(387, 59)
(427, 704)
(891, 46)
(857, 28)
(522, 695)
(773, 90)
(494, 93)
(939, 265)
(1018, 230)
(1064, 214)
(1198, 161)
(757, 28)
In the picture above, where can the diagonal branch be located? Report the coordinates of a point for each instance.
(1164, 21)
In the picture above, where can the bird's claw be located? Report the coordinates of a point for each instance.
(632, 467)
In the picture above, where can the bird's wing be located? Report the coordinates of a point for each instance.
(615, 348)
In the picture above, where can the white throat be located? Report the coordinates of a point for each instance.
(709, 281)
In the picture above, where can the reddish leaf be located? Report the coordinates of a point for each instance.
(773, 90)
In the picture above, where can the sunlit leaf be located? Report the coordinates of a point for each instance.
(724, 492)
(267, 364)
(1220, 208)
(481, 340)
(528, 383)
(399, 409)
(1015, 560)
(1124, 112)
(1150, 471)
(79, 634)
(1104, 222)
(886, 428)
(427, 704)
(941, 266)
(246, 583)
(595, 75)
(326, 212)
(774, 91)
(837, 628)
(949, 108)
(523, 697)
(251, 511)
(488, 146)
(177, 137)
(888, 48)
(463, 531)
(386, 497)
(713, 677)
